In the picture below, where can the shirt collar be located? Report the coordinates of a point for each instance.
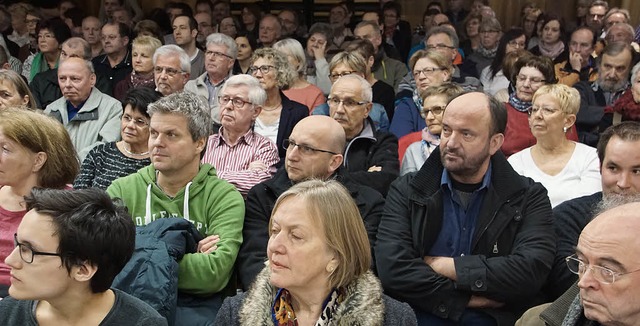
(445, 180)
(247, 138)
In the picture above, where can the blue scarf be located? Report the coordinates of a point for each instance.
(517, 104)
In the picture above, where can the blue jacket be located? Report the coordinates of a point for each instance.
(407, 118)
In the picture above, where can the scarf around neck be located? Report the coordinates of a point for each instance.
(283, 315)
(626, 106)
(517, 104)
(487, 53)
(551, 51)
(142, 80)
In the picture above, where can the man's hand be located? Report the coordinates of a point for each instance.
(443, 266)
(208, 244)
(375, 168)
(482, 302)
(575, 59)
(257, 166)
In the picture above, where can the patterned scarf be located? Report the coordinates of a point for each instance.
(517, 104)
(282, 312)
(487, 53)
(142, 80)
(626, 106)
(551, 51)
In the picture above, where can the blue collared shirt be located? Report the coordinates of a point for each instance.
(458, 223)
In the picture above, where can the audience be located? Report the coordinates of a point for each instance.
(142, 50)
(115, 63)
(279, 114)
(581, 65)
(241, 156)
(490, 35)
(551, 44)
(51, 34)
(246, 44)
(220, 56)
(270, 30)
(567, 169)
(317, 46)
(171, 69)
(492, 77)
(90, 116)
(177, 185)
(185, 32)
(59, 255)
(37, 153)
(91, 28)
(109, 161)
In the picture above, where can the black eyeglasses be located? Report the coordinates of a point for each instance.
(27, 253)
(263, 69)
(304, 149)
(340, 74)
(438, 46)
(237, 102)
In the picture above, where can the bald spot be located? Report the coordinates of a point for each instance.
(325, 129)
(472, 106)
(621, 223)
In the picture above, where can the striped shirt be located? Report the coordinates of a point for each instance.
(232, 162)
(105, 163)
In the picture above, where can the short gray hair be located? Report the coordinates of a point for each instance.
(224, 40)
(189, 105)
(293, 48)
(443, 30)
(76, 42)
(174, 50)
(365, 87)
(257, 95)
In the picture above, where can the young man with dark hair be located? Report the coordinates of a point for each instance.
(68, 249)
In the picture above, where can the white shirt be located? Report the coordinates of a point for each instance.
(269, 131)
(579, 177)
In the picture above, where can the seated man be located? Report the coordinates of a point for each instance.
(115, 63)
(606, 263)
(612, 82)
(314, 151)
(90, 116)
(241, 156)
(466, 240)
(171, 69)
(177, 185)
(370, 156)
(185, 32)
(619, 152)
(62, 269)
(581, 65)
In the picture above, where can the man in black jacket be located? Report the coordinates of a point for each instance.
(314, 150)
(371, 156)
(466, 239)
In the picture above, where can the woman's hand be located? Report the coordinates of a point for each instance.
(208, 244)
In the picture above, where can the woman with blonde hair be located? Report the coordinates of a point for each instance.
(318, 252)
(36, 151)
(15, 91)
(567, 169)
(279, 114)
(142, 50)
(300, 89)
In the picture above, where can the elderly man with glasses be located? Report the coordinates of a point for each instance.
(171, 69)
(241, 156)
(314, 151)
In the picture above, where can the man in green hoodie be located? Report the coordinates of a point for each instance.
(177, 185)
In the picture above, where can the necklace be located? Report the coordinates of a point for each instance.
(264, 108)
(132, 153)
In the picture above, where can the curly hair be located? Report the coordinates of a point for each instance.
(285, 75)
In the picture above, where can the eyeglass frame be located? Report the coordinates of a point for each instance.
(425, 111)
(217, 54)
(234, 101)
(334, 101)
(254, 69)
(126, 118)
(544, 111)
(532, 80)
(438, 46)
(169, 71)
(34, 253)
(287, 143)
(426, 71)
(342, 74)
(516, 44)
(592, 268)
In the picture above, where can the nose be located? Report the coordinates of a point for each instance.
(13, 260)
(624, 181)
(586, 280)
(276, 244)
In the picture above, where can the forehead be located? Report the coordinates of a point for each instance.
(310, 133)
(142, 48)
(286, 14)
(227, 21)
(622, 152)
(268, 21)
(91, 22)
(553, 24)
(425, 62)
(622, 58)
(110, 29)
(338, 10)
(168, 60)
(37, 229)
(617, 17)
(441, 38)
(364, 30)
(347, 87)
(236, 90)
(341, 67)
(217, 47)
(263, 61)
(598, 10)
(73, 66)
(169, 121)
(370, 16)
(467, 110)
(111, 2)
(582, 35)
(202, 18)
(531, 72)
(318, 36)
(181, 20)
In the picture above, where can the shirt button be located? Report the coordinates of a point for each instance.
(479, 283)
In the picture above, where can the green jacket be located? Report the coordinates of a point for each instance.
(213, 205)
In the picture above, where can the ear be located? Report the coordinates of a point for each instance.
(83, 272)
(38, 162)
(569, 120)
(92, 79)
(25, 100)
(332, 265)
(371, 60)
(336, 161)
(187, 76)
(256, 112)
(194, 33)
(495, 143)
(367, 109)
(200, 144)
(125, 40)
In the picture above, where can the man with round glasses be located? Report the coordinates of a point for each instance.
(240, 155)
(314, 151)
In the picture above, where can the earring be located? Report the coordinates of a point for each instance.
(565, 129)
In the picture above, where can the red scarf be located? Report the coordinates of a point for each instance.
(626, 106)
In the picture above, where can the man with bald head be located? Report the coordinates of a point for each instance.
(90, 116)
(314, 150)
(466, 240)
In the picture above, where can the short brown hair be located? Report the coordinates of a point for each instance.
(332, 208)
(440, 60)
(40, 133)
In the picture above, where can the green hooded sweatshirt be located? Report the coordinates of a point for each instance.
(213, 205)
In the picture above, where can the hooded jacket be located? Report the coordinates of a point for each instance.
(213, 205)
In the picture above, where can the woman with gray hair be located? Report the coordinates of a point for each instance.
(279, 114)
(490, 34)
(300, 89)
(318, 44)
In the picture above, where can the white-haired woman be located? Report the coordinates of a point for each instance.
(300, 89)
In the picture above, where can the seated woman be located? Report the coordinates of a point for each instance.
(246, 44)
(435, 100)
(36, 152)
(107, 162)
(530, 74)
(318, 44)
(51, 34)
(430, 69)
(15, 91)
(551, 43)
(142, 50)
(279, 114)
(313, 259)
(300, 89)
(346, 63)
(492, 77)
(566, 168)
